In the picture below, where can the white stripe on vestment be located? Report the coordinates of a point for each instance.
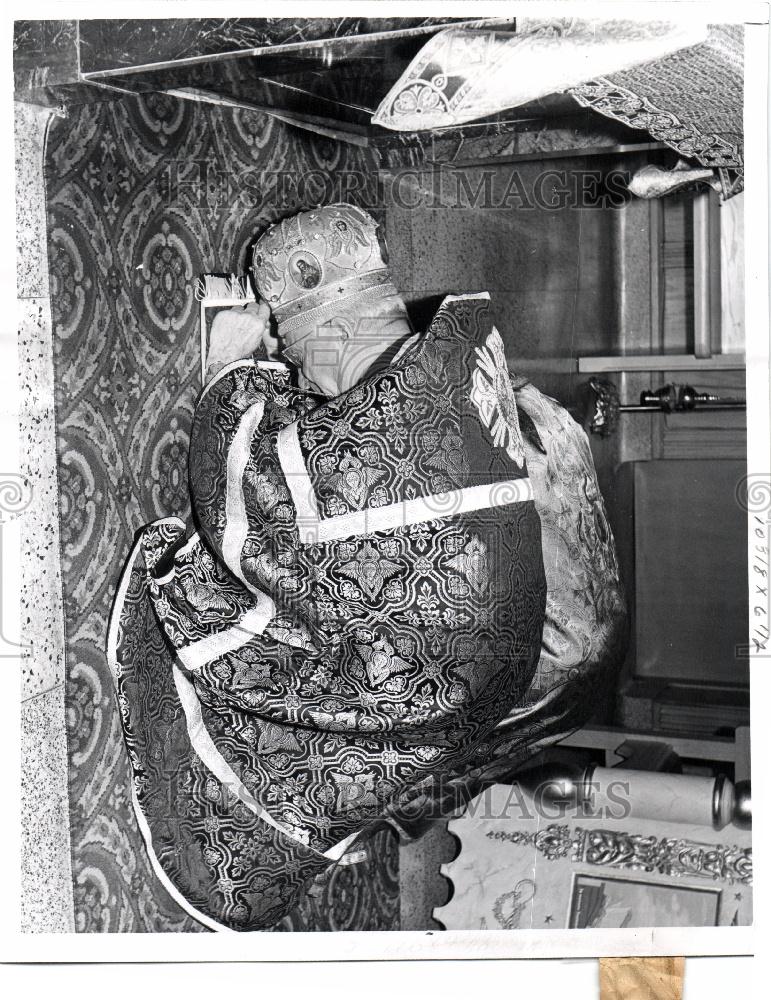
(433, 507)
(202, 745)
(192, 543)
(163, 878)
(115, 668)
(144, 828)
(212, 759)
(298, 481)
(312, 529)
(198, 654)
(236, 523)
(244, 363)
(464, 298)
(252, 622)
(205, 749)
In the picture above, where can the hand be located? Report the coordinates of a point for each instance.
(237, 333)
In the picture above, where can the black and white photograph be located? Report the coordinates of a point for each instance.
(385, 503)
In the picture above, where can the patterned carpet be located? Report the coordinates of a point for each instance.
(143, 196)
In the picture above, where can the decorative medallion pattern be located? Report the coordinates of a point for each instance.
(316, 739)
(144, 195)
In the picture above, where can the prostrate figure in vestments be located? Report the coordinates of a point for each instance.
(399, 584)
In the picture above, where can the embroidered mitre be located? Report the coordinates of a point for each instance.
(306, 265)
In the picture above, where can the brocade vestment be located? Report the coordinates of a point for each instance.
(358, 616)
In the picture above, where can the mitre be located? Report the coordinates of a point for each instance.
(307, 266)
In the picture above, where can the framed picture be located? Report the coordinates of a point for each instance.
(599, 901)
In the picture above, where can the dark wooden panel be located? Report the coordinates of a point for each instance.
(691, 570)
(548, 258)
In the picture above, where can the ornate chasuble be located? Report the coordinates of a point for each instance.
(585, 630)
(360, 608)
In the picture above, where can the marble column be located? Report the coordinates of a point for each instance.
(732, 274)
(46, 876)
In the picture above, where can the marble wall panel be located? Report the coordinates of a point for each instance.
(46, 875)
(145, 194)
(109, 44)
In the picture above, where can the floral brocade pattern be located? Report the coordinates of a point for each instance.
(585, 623)
(403, 617)
(350, 692)
(585, 631)
(144, 194)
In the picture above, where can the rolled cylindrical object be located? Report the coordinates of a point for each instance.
(671, 798)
